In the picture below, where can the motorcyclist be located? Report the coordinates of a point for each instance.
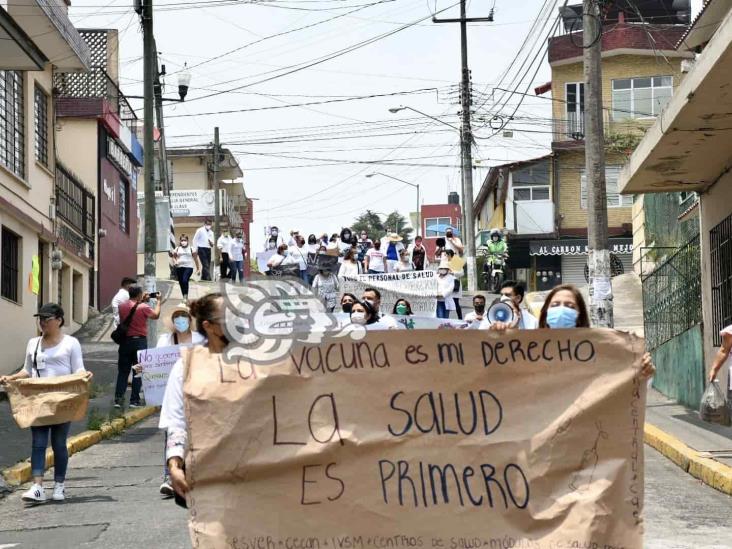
(497, 248)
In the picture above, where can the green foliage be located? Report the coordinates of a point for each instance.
(95, 420)
(371, 222)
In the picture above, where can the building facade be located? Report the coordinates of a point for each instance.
(37, 38)
(98, 147)
(436, 219)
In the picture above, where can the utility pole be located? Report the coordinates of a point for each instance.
(150, 70)
(598, 257)
(217, 205)
(466, 143)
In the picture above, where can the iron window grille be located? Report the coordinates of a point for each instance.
(74, 203)
(720, 262)
(123, 226)
(10, 273)
(41, 125)
(12, 122)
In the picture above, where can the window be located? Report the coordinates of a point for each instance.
(531, 182)
(12, 122)
(436, 226)
(575, 95)
(123, 213)
(614, 199)
(640, 97)
(720, 262)
(10, 272)
(41, 122)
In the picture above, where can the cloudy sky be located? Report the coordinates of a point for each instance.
(290, 84)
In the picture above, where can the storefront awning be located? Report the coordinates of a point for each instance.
(576, 246)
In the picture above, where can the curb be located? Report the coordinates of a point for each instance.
(710, 471)
(20, 473)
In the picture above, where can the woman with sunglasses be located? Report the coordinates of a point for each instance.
(51, 354)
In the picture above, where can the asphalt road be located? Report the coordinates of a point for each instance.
(113, 504)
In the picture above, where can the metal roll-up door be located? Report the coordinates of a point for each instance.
(573, 269)
(627, 261)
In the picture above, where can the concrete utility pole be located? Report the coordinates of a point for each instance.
(598, 258)
(217, 205)
(466, 143)
(150, 70)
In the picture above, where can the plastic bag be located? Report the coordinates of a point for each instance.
(713, 408)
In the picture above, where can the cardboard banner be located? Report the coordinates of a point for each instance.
(49, 400)
(156, 366)
(292, 269)
(417, 287)
(446, 439)
(323, 262)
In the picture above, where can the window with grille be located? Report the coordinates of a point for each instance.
(41, 125)
(640, 97)
(720, 262)
(123, 210)
(614, 198)
(575, 109)
(12, 122)
(10, 270)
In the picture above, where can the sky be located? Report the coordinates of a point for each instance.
(305, 164)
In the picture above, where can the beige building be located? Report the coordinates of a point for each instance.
(37, 265)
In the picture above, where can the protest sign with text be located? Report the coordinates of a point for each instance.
(49, 400)
(446, 439)
(417, 287)
(156, 366)
(322, 262)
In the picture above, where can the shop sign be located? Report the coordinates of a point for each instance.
(119, 157)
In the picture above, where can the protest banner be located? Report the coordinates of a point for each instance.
(447, 439)
(433, 323)
(156, 365)
(417, 287)
(322, 262)
(292, 269)
(262, 258)
(49, 400)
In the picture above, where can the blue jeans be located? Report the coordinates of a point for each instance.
(304, 276)
(234, 268)
(184, 275)
(442, 311)
(59, 434)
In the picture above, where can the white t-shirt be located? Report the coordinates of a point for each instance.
(236, 250)
(120, 297)
(473, 317)
(450, 246)
(166, 340)
(185, 257)
(202, 238)
(376, 260)
(223, 243)
(390, 323)
(301, 255)
(350, 269)
(60, 360)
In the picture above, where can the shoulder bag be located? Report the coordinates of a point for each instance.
(119, 334)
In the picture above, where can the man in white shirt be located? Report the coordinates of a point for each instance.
(202, 244)
(478, 313)
(453, 243)
(515, 291)
(374, 262)
(373, 296)
(121, 296)
(223, 244)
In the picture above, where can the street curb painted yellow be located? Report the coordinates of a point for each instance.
(710, 471)
(20, 473)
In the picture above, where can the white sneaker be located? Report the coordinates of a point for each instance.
(35, 494)
(58, 492)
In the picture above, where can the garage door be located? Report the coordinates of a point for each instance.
(573, 267)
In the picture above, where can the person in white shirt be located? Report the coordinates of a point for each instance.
(202, 243)
(350, 268)
(345, 242)
(516, 291)
(363, 314)
(223, 243)
(121, 296)
(478, 313)
(274, 240)
(445, 288)
(300, 253)
(404, 263)
(373, 297)
(282, 257)
(375, 261)
(236, 258)
(52, 354)
(185, 262)
(453, 243)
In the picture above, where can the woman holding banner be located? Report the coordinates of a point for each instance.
(52, 354)
(364, 314)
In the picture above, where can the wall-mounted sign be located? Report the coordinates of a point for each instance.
(576, 246)
(119, 157)
(109, 191)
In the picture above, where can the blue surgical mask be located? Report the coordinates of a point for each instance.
(181, 323)
(561, 317)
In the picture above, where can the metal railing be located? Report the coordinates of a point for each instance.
(672, 295)
(75, 204)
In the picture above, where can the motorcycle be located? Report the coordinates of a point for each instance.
(494, 272)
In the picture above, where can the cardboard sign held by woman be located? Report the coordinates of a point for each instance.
(49, 401)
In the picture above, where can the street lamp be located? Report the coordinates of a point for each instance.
(418, 229)
(395, 110)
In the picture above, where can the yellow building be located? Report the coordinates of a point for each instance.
(37, 265)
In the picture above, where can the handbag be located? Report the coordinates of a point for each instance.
(119, 334)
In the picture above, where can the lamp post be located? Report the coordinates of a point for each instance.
(466, 140)
(418, 228)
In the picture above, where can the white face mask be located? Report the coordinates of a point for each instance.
(358, 318)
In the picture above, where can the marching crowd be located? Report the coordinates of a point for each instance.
(201, 322)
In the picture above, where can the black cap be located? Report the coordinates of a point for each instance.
(50, 310)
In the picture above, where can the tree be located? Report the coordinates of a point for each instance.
(371, 223)
(397, 223)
